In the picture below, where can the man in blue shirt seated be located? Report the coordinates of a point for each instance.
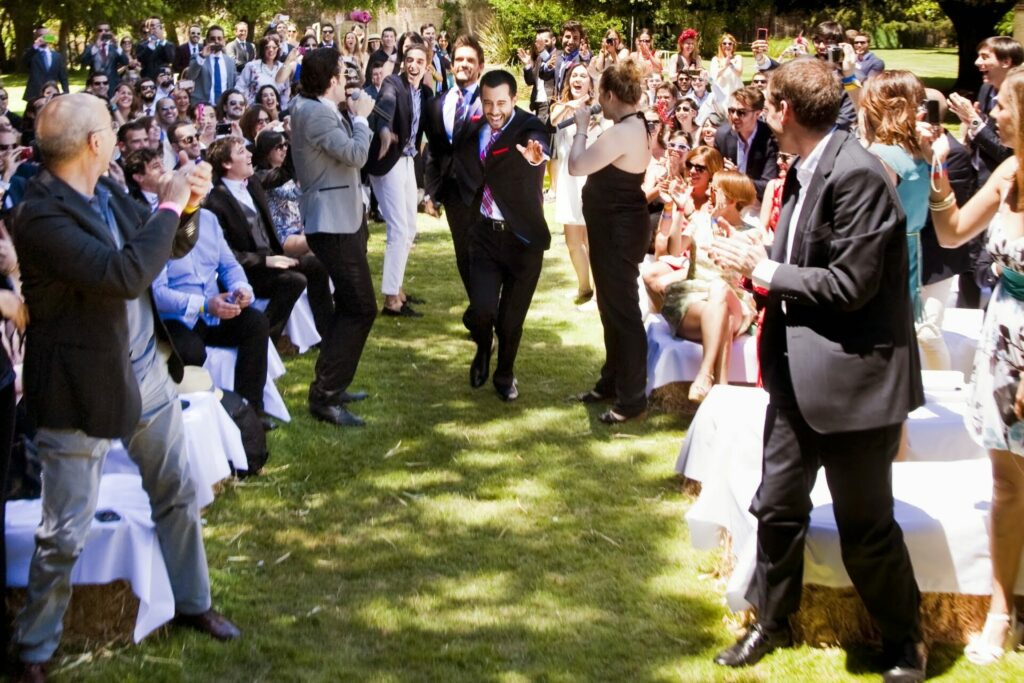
(204, 299)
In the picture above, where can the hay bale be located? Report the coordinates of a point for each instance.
(672, 398)
(98, 614)
(836, 616)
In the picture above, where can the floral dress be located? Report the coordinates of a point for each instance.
(999, 360)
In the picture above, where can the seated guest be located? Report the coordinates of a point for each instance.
(709, 130)
(182, 101)
(12, 118)
(255, 119)
(205, 118)
(270, 98)
(204, 300)
(702, 302)
(183, 137)
(127, 105)
(98, 84)
(130, 137)
(241, 208)
(142, 170)
(748, 144)
(230, 107)
(276, 173)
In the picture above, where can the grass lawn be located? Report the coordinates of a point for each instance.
(458, 538)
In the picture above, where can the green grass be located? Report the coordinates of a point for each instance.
(458, 538)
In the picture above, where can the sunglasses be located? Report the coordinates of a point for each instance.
(644, 40)
(685, 110)
(7, 148)
(3, 97)
(678, 146)
(326, 30)
(281, 145)
(187, 140)
(726, 42)
(147, 87)
(759, 81)
(860, 42)
(236, 103)
(738, 112)
(94, 83)
(696, 167)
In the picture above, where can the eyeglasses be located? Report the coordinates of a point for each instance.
(236, 103)
(174, 108)
(8, 148)
(187, 140)
(685, 110)
(326, 30)
(738, 112)
(262, 119)
(727, 42)
(147, 87)
(3, 97)
(94, 83)
(696, 167)
(860, 42)
(281, 145)
(759, 81)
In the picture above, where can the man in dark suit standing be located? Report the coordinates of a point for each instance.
(539, 74)
(43, 64)
(501, 159)
(103, 56)
(747, 144)
(240, 49)
(447, 118)
(244, 215)
(212, 70)
(184, 53)
(574, 50)
(840, 363)
(93, 368)
(154, 51)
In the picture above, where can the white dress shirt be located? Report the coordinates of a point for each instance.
(451, 103)
(239, 190)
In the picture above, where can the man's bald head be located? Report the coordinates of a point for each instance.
(64, 125)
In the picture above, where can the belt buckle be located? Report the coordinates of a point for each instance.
(497, 226)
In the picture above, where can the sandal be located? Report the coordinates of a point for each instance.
(982, 651)
(700, 387)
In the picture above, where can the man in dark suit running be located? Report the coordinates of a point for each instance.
(502, 160)
(840, 362)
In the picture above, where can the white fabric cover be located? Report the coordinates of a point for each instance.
(300, 328)
(220, 363)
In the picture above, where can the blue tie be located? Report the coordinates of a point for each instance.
(217, 85)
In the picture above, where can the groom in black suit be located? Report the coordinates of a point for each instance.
(501, 163)
(839, 359)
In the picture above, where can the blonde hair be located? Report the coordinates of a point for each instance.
(888, 109)
(729, 36)
(736, 187)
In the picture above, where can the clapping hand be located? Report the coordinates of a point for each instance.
(961, 106)
(738, 253)
(533, 152)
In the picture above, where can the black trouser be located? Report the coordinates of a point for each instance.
(7, 412)
(355, 307)
(503, 276)
(858, 468)
(461, 219)
(615, 255)
(283, 287)
(248, 332)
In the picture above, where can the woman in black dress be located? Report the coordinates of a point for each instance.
(615, 205)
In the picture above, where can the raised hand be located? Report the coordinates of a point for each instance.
(533, 152)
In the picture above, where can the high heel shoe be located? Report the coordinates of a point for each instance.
(981, 650)
(701, 386)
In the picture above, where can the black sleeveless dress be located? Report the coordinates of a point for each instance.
(619, 231)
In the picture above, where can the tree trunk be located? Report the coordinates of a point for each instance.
(24, 16)
(973, 23)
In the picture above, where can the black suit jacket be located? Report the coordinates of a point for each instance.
(938, 263)
(991, 150)
(394, 111)
(762, 159)
(236, 228)
(35, 63)
(182, 56)
(76, 281)
(152, 58)
(547, 79)
(517, 187)
(844, 349)
(440, 180)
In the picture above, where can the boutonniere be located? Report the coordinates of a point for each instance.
(474, 118)
(498, 152)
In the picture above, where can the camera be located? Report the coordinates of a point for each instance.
(609, 41)
(107, 37)
(223, 129)
(835, 54)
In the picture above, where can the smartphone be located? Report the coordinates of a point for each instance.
(762, 34)
(223, 129)
(835, 54)
(26, 154)
(932, 116)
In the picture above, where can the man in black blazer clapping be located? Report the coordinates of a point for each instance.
(501, 160)
(747, 144)
(840, 362)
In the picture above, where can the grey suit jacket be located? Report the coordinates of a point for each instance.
(202, 76)
(328, 154)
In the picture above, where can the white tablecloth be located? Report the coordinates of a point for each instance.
(127, 549)
(300, 328)
(212, 440)
(220, 363)
(942, 491)
(670, 359)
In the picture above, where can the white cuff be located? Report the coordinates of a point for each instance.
(360, 119)
(763, 272)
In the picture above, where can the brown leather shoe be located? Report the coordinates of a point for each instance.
(32, 673)
(210, 622)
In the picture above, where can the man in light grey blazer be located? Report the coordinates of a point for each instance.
(212, 69)
(329, 148)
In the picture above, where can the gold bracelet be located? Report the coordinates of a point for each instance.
(943, 204)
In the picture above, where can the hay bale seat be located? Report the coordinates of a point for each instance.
(97, 616)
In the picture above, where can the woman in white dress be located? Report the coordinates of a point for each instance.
(577, 93)
(726, 68)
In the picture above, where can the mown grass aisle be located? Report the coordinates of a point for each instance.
(459, 538)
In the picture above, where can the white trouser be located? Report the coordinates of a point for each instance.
(396, 197)
(934, 353)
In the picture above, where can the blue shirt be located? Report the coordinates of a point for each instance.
(142, 344)
(186, 284)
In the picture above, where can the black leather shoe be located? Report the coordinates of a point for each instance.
(910, 664)
(410, 299)
(211, 622)
(406, 311)
(335, 414)
(509, 393)
(268, 424)
(347, 397)
(480, 368)
(757, 642)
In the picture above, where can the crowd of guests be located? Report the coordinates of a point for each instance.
(657, 165)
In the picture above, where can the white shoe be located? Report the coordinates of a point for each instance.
(982, 651)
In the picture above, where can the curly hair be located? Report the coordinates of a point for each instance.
(888, 109)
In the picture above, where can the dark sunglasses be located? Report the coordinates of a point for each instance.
(3, 96)
(187, 140)
(860, 42)
(7, 148)
(147, 87)
(94, 83)
(281, 145)
(759, 81)
(328, 30)
(696, 167)
(737, 112)
(236, 103)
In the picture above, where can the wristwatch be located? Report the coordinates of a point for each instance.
(975, 123)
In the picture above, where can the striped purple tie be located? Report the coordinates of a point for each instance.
(487, 199)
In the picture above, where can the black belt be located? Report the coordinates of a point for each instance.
(496, 226)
